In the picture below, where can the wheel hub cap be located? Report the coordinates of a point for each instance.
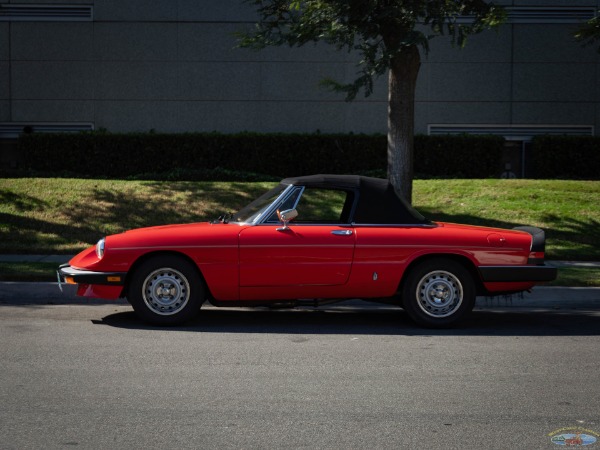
(166, 291)
(439, 294)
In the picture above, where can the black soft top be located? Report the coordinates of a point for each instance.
(378, 201)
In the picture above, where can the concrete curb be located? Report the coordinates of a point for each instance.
(546, 297)
(45, 293)
(543, 297)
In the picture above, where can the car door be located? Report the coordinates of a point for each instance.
(299, 255)
(316, 249)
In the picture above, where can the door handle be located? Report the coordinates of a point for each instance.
(342, 232)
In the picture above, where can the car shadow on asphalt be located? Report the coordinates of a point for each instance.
(495, 322)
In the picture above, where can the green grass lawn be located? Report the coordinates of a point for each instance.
(28, 271)
(43, 215)
(577, 277)
(567, 210)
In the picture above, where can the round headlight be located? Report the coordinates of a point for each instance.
(100, 248)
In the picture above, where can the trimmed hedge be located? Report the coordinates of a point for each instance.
(458, 156)
(566, 157)
(248, 156)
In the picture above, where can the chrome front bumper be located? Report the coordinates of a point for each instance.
(69, 275)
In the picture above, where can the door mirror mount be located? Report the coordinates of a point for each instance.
(285, 217)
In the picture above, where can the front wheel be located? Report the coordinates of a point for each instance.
(166, 290)
(438, 293)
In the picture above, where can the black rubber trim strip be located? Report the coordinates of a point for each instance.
(538, 237)
(518, 273)
(89, 277)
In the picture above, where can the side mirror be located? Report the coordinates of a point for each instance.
(285, 217)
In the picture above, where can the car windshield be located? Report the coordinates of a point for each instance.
(258, 207)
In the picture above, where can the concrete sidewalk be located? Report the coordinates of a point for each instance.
(58, 259)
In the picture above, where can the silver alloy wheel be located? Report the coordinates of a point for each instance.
(166, 291)
(439, 294)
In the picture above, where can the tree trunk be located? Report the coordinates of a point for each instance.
(403, 73)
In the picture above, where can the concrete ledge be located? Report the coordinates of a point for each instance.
(25, 293)
(546, 297)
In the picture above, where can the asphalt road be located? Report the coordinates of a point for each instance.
(92, 376)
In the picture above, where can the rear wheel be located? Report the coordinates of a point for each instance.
(166, 290)
(438, 293)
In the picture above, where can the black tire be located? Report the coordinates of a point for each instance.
(166, 290)
(438, 293)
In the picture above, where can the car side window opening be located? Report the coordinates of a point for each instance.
(288, 203)
(318, 205)
(321, 206)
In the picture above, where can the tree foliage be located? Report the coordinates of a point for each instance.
(377, 30)
(589, 33)
(386, 36)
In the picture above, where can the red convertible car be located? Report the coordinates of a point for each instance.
(313, 239)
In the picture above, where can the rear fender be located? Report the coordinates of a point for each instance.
(461, 259)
